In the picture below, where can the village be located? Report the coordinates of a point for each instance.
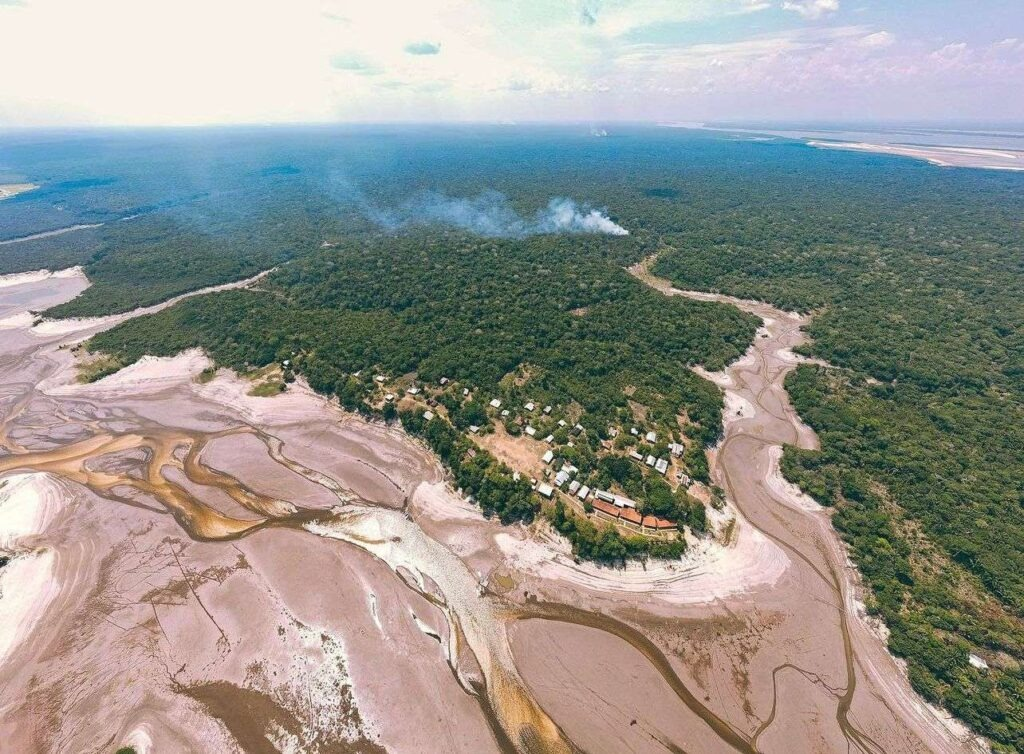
(549, 446)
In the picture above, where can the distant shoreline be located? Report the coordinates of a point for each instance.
(948, 157)
(943, 148)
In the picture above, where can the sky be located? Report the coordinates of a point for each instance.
(192, 62)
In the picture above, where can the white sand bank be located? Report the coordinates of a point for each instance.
(947, 157)
(707, 572)
(21, 278)
(783, 489)
(28, 503)
(149, 372)
(7, 190)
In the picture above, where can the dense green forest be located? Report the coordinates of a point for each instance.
(919, 304)
(551, 318)
(472, 310)
(155, 256)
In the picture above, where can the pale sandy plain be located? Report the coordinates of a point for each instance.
(947, 157)
(195, 569)
(7, 190)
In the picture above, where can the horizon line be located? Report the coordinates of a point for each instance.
(710, 124)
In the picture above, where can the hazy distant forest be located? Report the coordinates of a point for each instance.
(915, 275)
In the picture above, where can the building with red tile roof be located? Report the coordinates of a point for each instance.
(606, 508)
(629, 515)
(659, 524)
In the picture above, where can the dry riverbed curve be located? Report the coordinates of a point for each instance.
(201, 568)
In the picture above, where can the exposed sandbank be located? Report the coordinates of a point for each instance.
(949, 157)
(28, 504)
(7, 190)
(21, 278)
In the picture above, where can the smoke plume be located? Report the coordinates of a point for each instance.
(490, 214)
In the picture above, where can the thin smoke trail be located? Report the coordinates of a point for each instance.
(488, 214)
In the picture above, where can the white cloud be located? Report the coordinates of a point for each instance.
(1010, 44)
(952, 51)
(754, 50)
(196, 61)
(877, 39)
(812, 9)
(752, 6)
(122, 61)
(614, 18)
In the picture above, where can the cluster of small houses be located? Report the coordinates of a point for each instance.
(607, 504)
(380, 379)
(529, 430)
(658, 464)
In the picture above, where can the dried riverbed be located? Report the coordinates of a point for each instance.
(197, 569)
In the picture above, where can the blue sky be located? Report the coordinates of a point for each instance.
(153, 62)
